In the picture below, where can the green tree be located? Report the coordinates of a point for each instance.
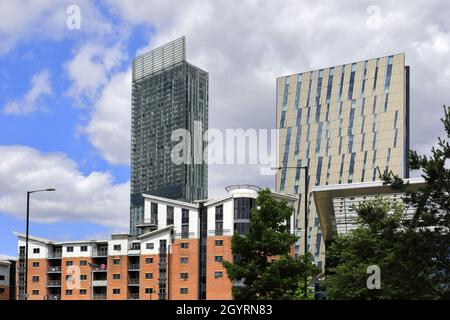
(413, 254)
(261, 257)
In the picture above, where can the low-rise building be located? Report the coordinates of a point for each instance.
(178, 255)
(7, 277)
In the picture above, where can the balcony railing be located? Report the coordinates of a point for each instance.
(133, 282)
(54, 297)
(100, 253)
(54, 283)
(54, 255)
(101, 296)
(148, 222)
(162, 265)
(103, 268)
(56, 269)
(219, 232)
(133, 266)
(133, 296)
(99, 283)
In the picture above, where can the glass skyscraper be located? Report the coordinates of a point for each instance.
(342, 122)
(168, 93)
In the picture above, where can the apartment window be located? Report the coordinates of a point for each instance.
(116, 291)
(83, 262)
(35, 264)
(69, 263)
(84, 248)
(183, 290)
(69, 292)
(149, 275)
(117, 247)
(184, 276)
(154, 213)
(219, 220)
(218, 258)
(83, 277)
(184, 223)
(34, 278)
(116, 262)
(184, 245)
(36, 250)
(148, 290)
(2, 277)
(148, 260)
(150, 245)
(218, 274)
(2, 290)
(184, 260)
(218, 243)
(35, 292)
(69, 249)
(83, 291)
(116, 276)
(170, 219)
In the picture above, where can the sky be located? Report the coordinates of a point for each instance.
(65, 92)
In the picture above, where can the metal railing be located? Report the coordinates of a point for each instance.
(219, 232)
(100, 269)
(54, 283)
(100, 253)
(54, 255)
(54, 297)
(133, 296)
(98, 296)
(133, 281)
(133, 266)
(55, 269)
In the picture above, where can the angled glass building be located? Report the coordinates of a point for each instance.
(343, 123)
(168, 93)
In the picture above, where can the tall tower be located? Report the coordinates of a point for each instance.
(168, 93)
(342, 122)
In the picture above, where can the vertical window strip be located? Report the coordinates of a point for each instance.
(351, 169)
(387, 82)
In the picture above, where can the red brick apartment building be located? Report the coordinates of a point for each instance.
(176, 256)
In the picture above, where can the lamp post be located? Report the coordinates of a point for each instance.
(305, 292)
(27, 234)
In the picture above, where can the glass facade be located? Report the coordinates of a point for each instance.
(165, 97)
(355, 120)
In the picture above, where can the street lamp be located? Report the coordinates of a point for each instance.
(26, 239)
(305, 293)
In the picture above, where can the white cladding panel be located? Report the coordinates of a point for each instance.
(123, 250)
(76, 250)
(150, 245)
(32, 245)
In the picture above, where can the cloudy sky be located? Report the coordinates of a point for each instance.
(65, 93)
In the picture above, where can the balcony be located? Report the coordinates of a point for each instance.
(55, 269)
(133, 296)
(54, 297)
(133, 267)
(99, 296)
(101, 268)
(102, 252)
(133, 282)
(54, 283)
(54, 255)
(162, 265)
(99, 283)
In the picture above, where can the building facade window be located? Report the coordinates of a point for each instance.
(219, 220)
(170, 219)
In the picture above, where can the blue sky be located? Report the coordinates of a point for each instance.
(65, 93)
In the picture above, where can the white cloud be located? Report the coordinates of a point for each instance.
(91, 67)
(23, 20)
(245, 50)
(89, 198)
(109, 127)
(40, 86)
